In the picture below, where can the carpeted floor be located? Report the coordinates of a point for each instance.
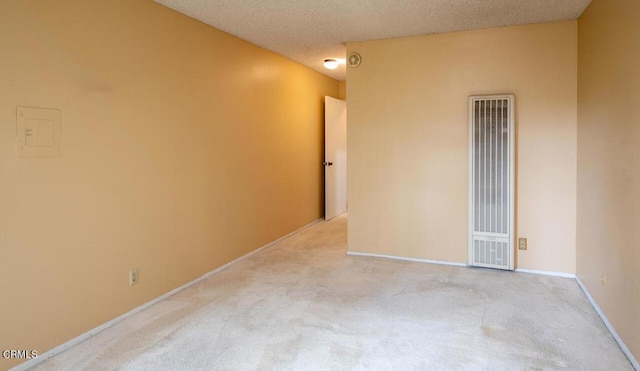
(304, 305)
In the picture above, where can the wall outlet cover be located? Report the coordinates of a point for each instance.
(522, 243)
(133, 276)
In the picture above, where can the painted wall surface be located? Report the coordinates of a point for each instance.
(408, 148)
(343, 90)
(609, 162)
(183, 148)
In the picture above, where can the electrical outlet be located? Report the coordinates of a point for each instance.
(133, 276)
(522, 243)
(603, 279)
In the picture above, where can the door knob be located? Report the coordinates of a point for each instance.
(327, 163)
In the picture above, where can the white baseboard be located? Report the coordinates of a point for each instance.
(546, 273)
(353, 253)
(79, 339)
(606, 322)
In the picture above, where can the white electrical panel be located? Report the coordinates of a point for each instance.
(38, 132)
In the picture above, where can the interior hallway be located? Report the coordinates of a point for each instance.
(302, 304)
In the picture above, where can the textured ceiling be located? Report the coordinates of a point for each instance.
(308, 31)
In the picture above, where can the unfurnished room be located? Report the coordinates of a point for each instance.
(319, 185)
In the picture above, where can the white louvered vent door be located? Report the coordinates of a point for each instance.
(491, 188)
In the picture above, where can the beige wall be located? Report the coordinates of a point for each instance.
(408, 140)
(183, 148)
(609, 162)
(343, 90)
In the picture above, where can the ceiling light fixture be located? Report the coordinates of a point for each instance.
(330, 64)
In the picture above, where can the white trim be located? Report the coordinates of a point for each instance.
(606, 322)
(470, 172)
(546, 273)
(456, 264)
(512, 180)
(353, 253)
(80, 338)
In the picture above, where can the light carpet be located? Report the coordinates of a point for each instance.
(303, 304)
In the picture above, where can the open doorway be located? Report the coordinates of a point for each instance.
(335, 157)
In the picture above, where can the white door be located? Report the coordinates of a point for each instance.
(491, 185)
(335, 157)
